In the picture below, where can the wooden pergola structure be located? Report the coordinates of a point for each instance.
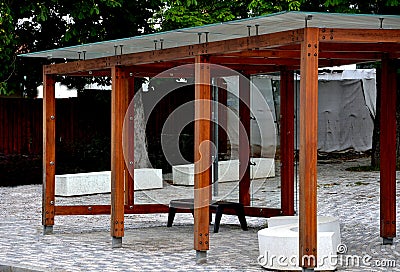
(283, 42)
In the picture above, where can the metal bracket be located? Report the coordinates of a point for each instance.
(306, 19)
(249, 30)
(381, 22)
(201, 256)
(387, 241)
(47, 230)
(116, 242)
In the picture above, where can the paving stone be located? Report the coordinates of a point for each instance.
(83, 243)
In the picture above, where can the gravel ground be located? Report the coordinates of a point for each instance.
(83, 243)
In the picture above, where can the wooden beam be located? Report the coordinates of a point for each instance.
(287, 142)
(49, 152)
(99, 73)
(359, 47)
(261, 211)
(270, 53)
(179, 53)
(308, 149)
(154, 208)
(106, 209)
(244, 140)
(388, 151)
(255, 61)
(359, 35)
(118, 106)
(129, 145)
(202, 152)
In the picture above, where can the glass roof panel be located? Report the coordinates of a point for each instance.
(277, 22)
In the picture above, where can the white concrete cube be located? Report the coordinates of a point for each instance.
(227, 171)
(100, 182)
(147, 178)
(83, 183)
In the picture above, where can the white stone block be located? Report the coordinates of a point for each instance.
(227, 171)
(100, 182)
(279, 243)
(147, 178)
(83, 183)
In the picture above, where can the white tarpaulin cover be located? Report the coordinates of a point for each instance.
(346, 110)
(344, 119)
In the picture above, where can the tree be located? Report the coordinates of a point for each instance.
(28, 26)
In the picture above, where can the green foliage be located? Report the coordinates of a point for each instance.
(28, 26)
(261, 7)
(7, 45)
(180, 14)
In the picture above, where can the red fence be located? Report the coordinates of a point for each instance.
(78, 119)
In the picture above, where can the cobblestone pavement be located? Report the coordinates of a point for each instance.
(83, 243)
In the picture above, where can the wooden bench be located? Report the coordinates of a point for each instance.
(217, 207)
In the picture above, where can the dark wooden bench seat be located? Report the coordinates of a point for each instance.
(216, 207)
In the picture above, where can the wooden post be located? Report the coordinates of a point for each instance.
(308, 149)
(388, 151)
(118, 107)
(244, 140)
(287, 142)
(49, 153)
(130, 144)
(202, 156)
(222, 116)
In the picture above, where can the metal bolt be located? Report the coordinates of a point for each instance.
(162, 42)
(52, 117)
(51, 162)
(89, 208)
(130, 118)
(131, 162)
(130, 207)
(51, 202)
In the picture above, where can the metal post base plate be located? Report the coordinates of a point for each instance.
(387, 241)
(116, 242)
(307, 269)
(201, 256)
(47, 230)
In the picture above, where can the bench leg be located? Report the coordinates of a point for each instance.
(242, 217)
(171, 216)
(218, 215)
